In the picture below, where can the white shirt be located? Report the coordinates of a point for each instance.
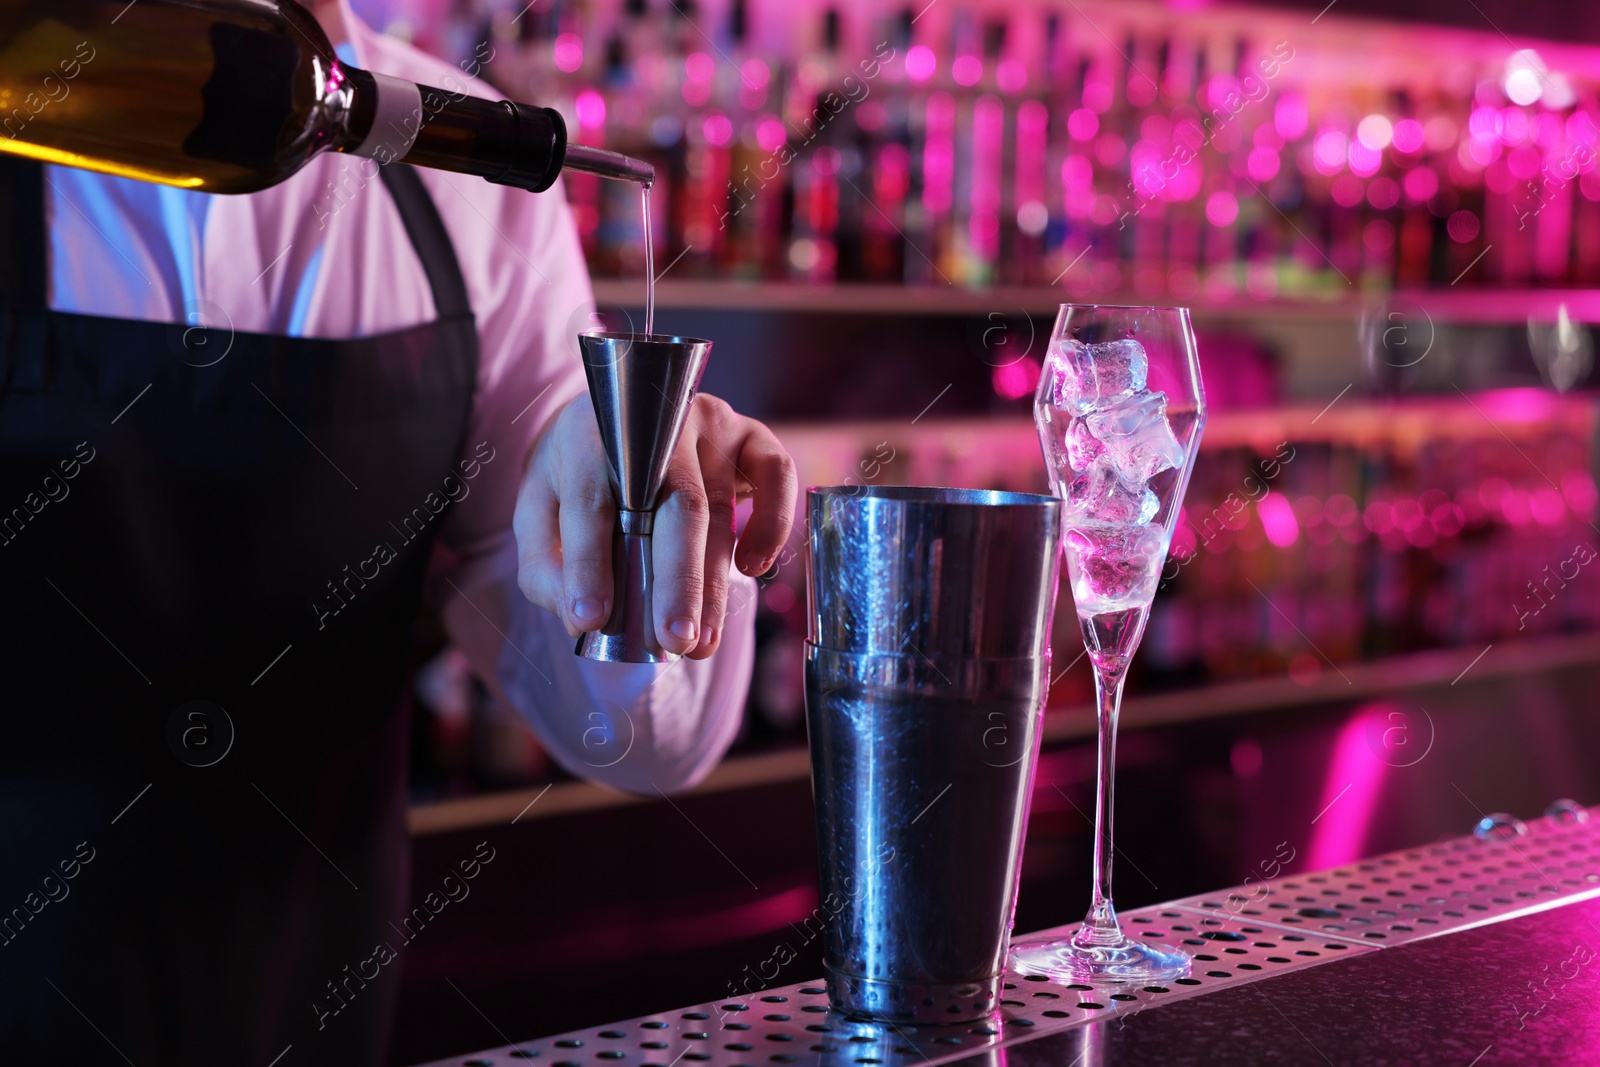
(324, 254)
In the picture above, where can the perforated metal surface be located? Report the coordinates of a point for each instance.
(1423, 892)
(795, 1024)
(1236, 937)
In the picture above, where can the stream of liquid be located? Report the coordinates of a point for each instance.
(649, 262)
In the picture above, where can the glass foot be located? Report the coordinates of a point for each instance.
(1125, 962)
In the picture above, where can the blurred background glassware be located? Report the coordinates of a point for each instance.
(1563, 350)
(1120, 411)
(927, 667)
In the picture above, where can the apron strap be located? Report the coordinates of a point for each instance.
(429, 237)
(23, 262)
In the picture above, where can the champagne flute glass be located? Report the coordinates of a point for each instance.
(1120, 411)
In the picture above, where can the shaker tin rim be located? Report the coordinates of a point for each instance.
(923, 494)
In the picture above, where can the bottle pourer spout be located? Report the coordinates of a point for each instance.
(609, 164)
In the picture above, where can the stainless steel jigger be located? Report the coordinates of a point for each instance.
(641, 386)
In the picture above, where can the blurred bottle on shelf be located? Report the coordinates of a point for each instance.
(981, 145)
(463, 741)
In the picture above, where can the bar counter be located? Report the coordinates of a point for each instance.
(1478, 949)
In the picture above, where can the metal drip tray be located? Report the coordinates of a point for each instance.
(795, 1024)
(1422, 892)
(1236, 937)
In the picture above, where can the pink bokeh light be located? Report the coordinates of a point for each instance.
(591, 110)
(755, 73)
(1581, 128)
(1375, 131)
(938, 153)
(1278, 520)
(1222, 208)
(1547, 506)
(1329, 150)
(1383, 192)
(1518, 405)
(1524, 162)
(967, 70)
(1420, 184)
(1463, 226)
(718, 129)
(1348, 190)
(770, 134)
(1083, 124)
(1016, 380)
(1349, 792)
(1363, 160)
(780, 598)
(1547, 130)
(920, 63)
(1263, 164)
(1579, 489)
(1011, 76)
(699, 67)
(569, 52)
(696, 93)
(1480, 152)
(1219, 88)
(1514, 125)
(1485, 123)
(1109, 149)
(1184, 539)
(1186, 186)
(1408, 136)
(1097, 96)
(1290, 116)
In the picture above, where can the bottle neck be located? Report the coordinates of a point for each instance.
(392, 120)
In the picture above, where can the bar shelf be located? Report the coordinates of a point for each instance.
(1063, 723)
(1464, 306)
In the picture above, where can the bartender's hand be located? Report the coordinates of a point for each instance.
(565, 518)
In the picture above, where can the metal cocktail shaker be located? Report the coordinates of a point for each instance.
(927, 666)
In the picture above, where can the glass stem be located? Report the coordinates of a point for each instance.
(1100, 926)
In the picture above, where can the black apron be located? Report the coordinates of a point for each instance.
(191, 521)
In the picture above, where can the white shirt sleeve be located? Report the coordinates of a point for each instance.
(638, 727)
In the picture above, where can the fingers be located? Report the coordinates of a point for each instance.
(587, 516)
(538, 540)
(722, 483)
(563, 522)
(566, 514)
(682, 520)
(773, 484)
(534, 522)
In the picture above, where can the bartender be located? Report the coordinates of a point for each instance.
(242, 438)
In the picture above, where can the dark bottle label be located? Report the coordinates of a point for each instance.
(248, 99)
